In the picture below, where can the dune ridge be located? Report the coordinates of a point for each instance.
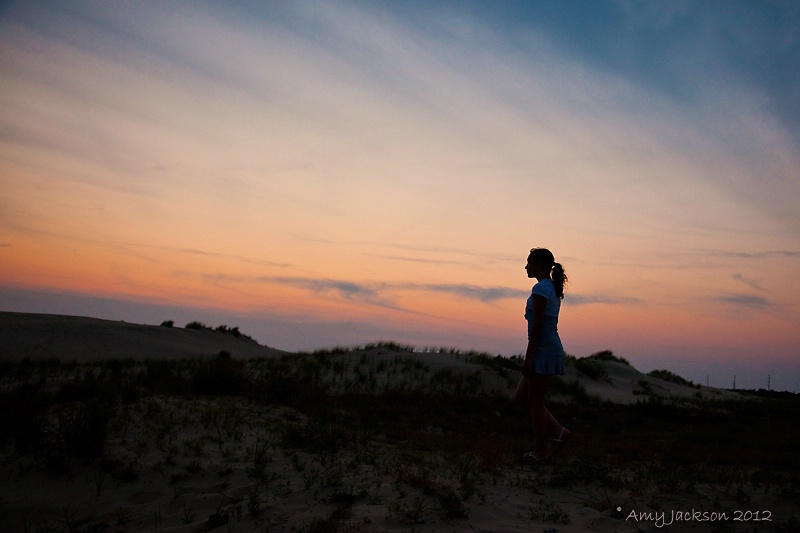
(84, 339)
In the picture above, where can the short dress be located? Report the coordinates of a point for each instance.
(549, 359)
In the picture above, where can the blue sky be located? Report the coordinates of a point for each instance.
(328, 173)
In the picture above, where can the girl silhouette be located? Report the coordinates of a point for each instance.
(544, 356)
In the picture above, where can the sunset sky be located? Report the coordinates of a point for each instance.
(337, 173)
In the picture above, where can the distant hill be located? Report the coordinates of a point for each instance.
(42, 336)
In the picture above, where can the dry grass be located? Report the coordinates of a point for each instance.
(345, 440)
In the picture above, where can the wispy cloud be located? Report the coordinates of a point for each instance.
(197, 252)
(713, 258)
(765, 254)
(347, 289)
(381, 293)
(578, 299)
(744, 300)
(419, 260)
(753, 284)
(470, 292)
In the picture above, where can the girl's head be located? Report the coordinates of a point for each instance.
(543, 259)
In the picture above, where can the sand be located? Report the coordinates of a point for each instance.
(218, 464)
(41, 336)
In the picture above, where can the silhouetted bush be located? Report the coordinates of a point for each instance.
(168, 323)
(572, 388)
(24, 370)
(390, 346)
(498, 363)
(221, 375)
(82, 430)
(608, 355)
(21, 414)
(666, 375)
(591, 368)
(165, 377)
(224, 329)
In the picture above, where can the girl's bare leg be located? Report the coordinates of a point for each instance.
(540, 415)
(530, 396)
(553, 425)
(522, 395)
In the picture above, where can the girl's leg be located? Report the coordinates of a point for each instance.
(522, 396)
(540, 415)
(553, 426)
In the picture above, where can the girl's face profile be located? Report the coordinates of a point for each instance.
(530, 268)
(535, 269)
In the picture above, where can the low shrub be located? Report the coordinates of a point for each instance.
(82, 431)
(608, 355)
(591, 368)
(21, 413)
(220, 376)
(666, 375)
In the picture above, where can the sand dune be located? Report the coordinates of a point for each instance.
(200, 463)
(625, 384)
(83, 339)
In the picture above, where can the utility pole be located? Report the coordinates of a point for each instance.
(734, 382)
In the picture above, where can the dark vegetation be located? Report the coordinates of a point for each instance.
(608, 355)
(224, 329)
(666, 375)
(428, 420)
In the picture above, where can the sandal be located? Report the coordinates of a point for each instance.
(562, 439)
(532, 456)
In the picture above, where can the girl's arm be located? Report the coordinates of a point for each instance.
(535, 334)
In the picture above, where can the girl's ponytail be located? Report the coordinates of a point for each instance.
(559, 279)
(544, 257)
